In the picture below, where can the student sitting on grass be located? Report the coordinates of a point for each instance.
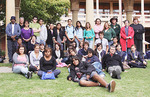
(48, 63)
(35, 57)
(42, 46)
(19, 43)
(135, 58)
(21, 62)
(72, 52)
(120, 52)
(86, 75)
(31, 44)
(112, 63)
(93, 60)
(122, 55)
(84, 51)
(99, 51)
(59, 55)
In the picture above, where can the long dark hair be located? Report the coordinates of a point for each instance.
(60, 27)
(19, 48)
(77, 25)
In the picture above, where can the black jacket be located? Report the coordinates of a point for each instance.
(138, 31)
(50, 37)
(61, 34)
(69, 61)
(84, 67)
(61, 54)
(109, 60)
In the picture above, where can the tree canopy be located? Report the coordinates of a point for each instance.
(2, 9)
(48, 10)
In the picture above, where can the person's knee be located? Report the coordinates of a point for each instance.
(39, 73)
(58, 71)
(82, 82)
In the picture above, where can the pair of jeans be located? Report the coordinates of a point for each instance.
(56, 72)
(114, 68)
(32, 68)
(90, 43)
(11, 48)
(98, 67)
(78, 41)
(20, 69)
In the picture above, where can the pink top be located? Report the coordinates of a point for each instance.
(21, 59)
(97, 29)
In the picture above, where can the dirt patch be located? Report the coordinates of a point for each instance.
(5, 70)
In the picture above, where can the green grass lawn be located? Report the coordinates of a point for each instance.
(135, 83)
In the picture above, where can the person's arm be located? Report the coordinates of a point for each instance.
(104, 61)
(132, 33)
(31, 58)
(42, 64)
(22, 34)
(140, 57)
(62, 54)
(19, 30)
(93, 34)
(142, 30)
(113, 33)
(129, 58)
(121, 65)
(72, 73)
(45, 33)
(90, 68)
(122, 34)
(7, 31)
(84, 35)
(67, 36)
(54, 64)
(80, 52)
(27, 62)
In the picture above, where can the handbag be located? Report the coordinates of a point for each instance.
(46, 76)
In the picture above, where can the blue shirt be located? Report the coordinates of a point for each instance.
(88, 34)
(79, 32)
(70, 31)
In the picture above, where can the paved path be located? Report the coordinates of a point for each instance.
(5, 70)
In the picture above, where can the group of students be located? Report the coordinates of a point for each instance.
(88, 53)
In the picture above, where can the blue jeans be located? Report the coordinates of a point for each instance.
(90, 43)
(56, 72)
(78, 41)
(11, 48)
(110, 43)
(20, 69)
(98, 67)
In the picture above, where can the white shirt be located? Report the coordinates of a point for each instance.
(104, 43)
(57, 53)
(99, 54)
(43, 33)
(13, 25)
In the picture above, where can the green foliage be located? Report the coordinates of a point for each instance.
(49, 10)
(2, 9)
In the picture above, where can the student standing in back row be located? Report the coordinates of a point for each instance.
(69, 32)
(78, 33)
(97, 28)
(109, 33)
(43, 32)
(36, 28)
(89, 34)
(13, 32)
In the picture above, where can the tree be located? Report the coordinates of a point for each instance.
(2, 9)
(49, 10)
